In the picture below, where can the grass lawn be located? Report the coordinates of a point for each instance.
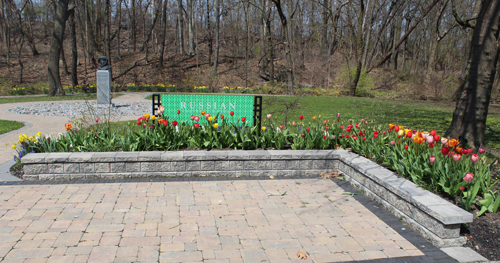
(421, 115)
(54, 98)
(7, 126)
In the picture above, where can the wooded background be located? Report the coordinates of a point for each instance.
(322, 43)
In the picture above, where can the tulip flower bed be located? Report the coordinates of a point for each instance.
(431, 161)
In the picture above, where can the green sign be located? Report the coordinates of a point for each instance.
(188, 105)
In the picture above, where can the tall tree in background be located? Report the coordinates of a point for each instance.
(60, 17)
(469, 117)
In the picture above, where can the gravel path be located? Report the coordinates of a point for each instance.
(77, 109)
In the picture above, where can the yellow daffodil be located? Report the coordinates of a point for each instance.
(6, 144)
(13, 147)
(215, 124)
(39, 134)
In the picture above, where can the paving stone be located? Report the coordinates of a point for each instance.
(103, 254)
(181, 256)
(30, 253)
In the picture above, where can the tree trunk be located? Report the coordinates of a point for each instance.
(180, 18)
(108, 31)
(63, 60)
(133, 25)
(286, 42)
(74, 51)
(270, 44)
(5, 30)
(217, 43)
(61, 16)
(469, 118)
(324, 30)
(359, 49)
(190, 10)
(164, 37)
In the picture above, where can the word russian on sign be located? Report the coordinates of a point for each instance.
(241, 106)
(103, 78)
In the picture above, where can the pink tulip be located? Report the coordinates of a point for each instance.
(432, 159)
(207, 115)
(362, 120)
(456, 157)
(192, 117)
(424, 135)
(474, 158)
(366, 122)
(393, 142)
(468, 177)
(293, 122)
(269, 116)
(430, 139)
(338, 114)
(96, 120)
(444, 141)
(481, 150)
(196, 118)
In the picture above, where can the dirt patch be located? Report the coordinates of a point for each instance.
(483, 235)
(17, 170)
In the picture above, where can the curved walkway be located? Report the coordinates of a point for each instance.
(45, 124)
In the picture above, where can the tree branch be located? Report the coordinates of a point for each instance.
(464, 23)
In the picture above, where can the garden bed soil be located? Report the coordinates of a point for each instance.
(483, 234)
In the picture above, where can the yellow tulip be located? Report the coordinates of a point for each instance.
(215, 124)
(264, 128)
(146, 115)
(211, 119)
(153, 117)
(401, 132)
(406, 131)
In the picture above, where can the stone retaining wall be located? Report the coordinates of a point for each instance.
(435, 218)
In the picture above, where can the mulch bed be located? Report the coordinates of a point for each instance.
(483, 234)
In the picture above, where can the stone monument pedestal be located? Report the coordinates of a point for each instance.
(103, 79)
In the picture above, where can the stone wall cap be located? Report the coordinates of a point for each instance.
(104, 157)
(57, 157)
(127, 156)
(34, 158)
(81, 157)
(150, 156)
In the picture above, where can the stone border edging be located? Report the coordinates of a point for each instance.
(433, 217)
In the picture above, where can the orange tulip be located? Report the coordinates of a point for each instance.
(391, 126)
(459, 149)
(453, 143)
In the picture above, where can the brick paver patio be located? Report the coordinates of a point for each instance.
(194, 221)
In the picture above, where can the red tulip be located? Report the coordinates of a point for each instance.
(409, 134)
(462, 188)
(178, 112)
(375, 134)
(355, 138)
(433, 132)
(406, 146)
(222, 116)
(347, 136)
(342, 136)
(138, 122)
(281, 127)
(303, 135)
(364, 138)
(357, 125)
(445, 151)
(324, 137)
(165, 122)
(152, 127)
(196, 125)
(396, 128)
(436, 137)
(308, 129)
(174, 123)
(231, 113)
(342, 127)
(326, 127)
(301, 117)
(243, 119)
